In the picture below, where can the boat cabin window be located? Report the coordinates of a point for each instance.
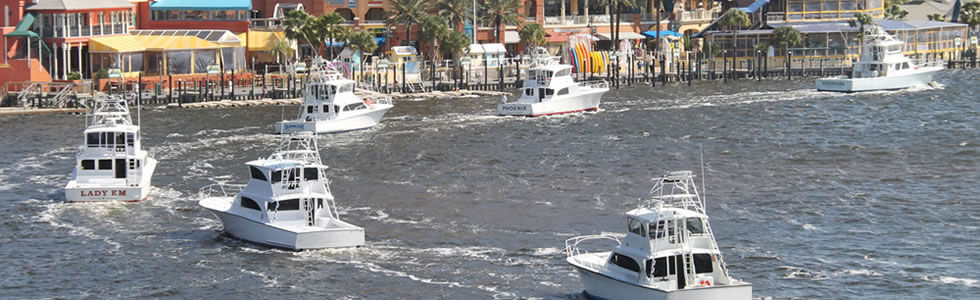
(347, 88)
(105, 164)
(635, 226)
(250, 204)
(625, 262)
(528, 92)
(92, 139)
(256, 173)
(310, 174)
(905, 66)
(291, 176)
(565, 72)
(284, 205)
(354, 106)
(695, 226)
(109, 139)
(309, 109)
(88, 164)
(548, 74)
(563, 91)
(130, 138)
(702, 263)
(326, 108)
(549, 92)
(661, 229)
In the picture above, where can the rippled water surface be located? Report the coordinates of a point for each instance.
(811, 195)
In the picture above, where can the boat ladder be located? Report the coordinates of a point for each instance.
(310, 211)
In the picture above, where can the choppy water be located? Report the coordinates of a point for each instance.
(812, 195)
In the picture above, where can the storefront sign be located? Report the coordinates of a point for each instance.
(375, 3)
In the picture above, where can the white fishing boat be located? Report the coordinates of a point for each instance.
(330, 106)
(669, 251)
(112, 165)
(549, 89)
(286, 203)
(881, 66)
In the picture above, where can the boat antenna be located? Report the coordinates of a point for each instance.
(703, 193)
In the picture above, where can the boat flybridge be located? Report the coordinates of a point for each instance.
(549, 89)
(330, 106)
(112, 165)
(287, 202)
(669, 251)
(881, 66)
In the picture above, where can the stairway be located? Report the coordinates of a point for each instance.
(416, 87)
(28, 93)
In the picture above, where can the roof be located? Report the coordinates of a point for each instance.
(200, 5)
(487, 48)
(756, 5)
(24, 27)
(892, 24)
(139, 43)
(622, 36)
(223, 37)
(646, 214)
(819, 27)
(922, 11)
(77, 4)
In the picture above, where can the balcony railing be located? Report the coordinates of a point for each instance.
(700, 15)
(775, 17)
(582, 20)
(267, 23)
(382, 21)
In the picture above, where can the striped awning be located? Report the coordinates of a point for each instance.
(138, 43)
(115, 44)
(261, 41)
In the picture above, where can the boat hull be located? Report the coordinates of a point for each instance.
(586, 101)
(356, 121)
(270, 235)
(844, 84)
(598, 286)
(92, 192)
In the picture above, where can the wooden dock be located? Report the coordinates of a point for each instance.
(13, 111)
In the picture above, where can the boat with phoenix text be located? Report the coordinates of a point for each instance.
(549, 89)
(330, 105)
(669, 251)
(286, 203)
(112, 165)
(882, 66)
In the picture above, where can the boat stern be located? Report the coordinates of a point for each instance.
(75, 192)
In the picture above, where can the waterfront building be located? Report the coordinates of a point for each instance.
(51, 37)
(826, 31)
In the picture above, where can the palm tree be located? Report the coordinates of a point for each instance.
(861, 19)
(431, 29)
(734, 19)
(971, 14)
(895, 12)
(456, 12)
(408, 12)
(282, 49)
(615, 8)
(329, 24)
(363, 42)
(532, 34)
(786, 36)
(298, 26)
(502, 12)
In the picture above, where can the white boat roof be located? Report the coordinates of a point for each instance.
(650, 215)
(278, 164)
(492, 48)
(112, 128)
(553, 67)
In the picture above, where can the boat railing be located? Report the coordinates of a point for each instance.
(929, 63)
(223, 190)
(572, 244)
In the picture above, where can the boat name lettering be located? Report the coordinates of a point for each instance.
(297, 126)
(836, 83)
(514, 107)
(103, 193)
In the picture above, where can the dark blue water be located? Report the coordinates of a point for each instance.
(811, 195)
